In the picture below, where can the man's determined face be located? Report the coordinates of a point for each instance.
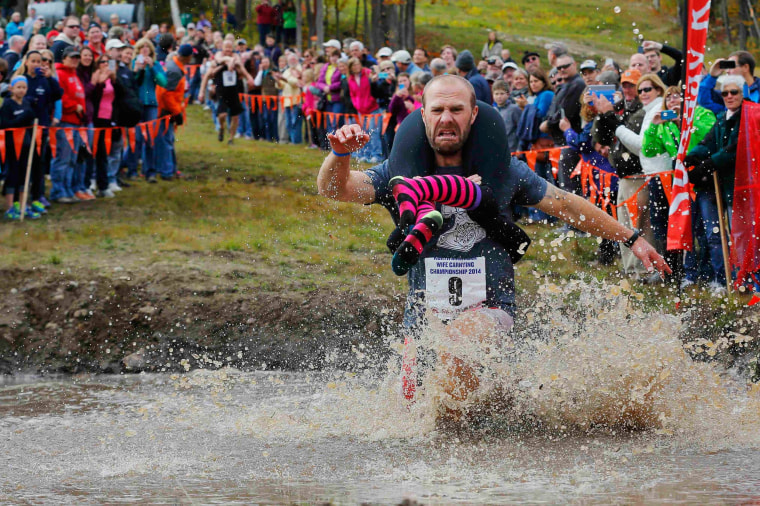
(448, 115)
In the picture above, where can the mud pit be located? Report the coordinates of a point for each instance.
(204, 310)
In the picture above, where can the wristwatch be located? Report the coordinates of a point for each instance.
(629, 242)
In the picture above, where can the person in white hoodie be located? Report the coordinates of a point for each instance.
(651, 91)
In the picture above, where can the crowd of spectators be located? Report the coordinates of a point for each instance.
(85, 83)
(545, 99)
(92, 74)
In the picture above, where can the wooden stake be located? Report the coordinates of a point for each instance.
(723, 237)
(25, 195)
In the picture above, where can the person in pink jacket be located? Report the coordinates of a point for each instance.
(360, 87)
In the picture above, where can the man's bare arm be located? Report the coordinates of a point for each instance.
(336, 180)
(585, 216)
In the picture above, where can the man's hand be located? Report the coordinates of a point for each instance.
(348, 139)
(715, 70)
(650, 258)
(602, 104)
(650, 44)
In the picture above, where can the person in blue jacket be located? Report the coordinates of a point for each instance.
(709, 95)
(466, 64)
(148, 73)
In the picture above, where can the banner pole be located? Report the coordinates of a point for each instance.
(25, 195)
(723, 238)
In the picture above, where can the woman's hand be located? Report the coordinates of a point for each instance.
(587, 98)
(564, 124)
(657, 120)
(402, 92)
(521, 101)
(148, 61)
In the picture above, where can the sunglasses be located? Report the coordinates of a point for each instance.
(565, 66)
(559, 80)
(531, 58)
(491, 61)
(645, 90)
(733, 93)
(73, 26)
(48, 60)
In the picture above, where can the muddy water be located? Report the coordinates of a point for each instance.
(592, 401)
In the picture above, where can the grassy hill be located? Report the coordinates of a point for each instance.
(593, 29)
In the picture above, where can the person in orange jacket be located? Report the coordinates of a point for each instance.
(171, 102)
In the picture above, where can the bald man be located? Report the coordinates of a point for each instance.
(449, 110)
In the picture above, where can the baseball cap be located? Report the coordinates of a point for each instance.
(509, 65)
(242, 42)
(401, 56)
(333, 43)
(114, 44)
(384, 52)
(185, 50)
(609, 77)
(70, 51)
(191, 26)
(528, 54)
(630, 76)
(588, 64)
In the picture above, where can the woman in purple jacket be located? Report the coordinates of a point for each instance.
(329, 82)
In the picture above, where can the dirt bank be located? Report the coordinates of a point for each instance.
(212, 310)
(164, 317)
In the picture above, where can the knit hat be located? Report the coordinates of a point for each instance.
(185, 50)
(609, 77)
(465, 61)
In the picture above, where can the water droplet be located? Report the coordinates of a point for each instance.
(636, 30)
(617, 9)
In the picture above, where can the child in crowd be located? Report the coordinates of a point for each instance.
(508, 110)
(16, 112)
(309, 107)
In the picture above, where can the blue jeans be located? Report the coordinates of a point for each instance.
(143, 147)
(373, 148)
(164, 156)
(544, 171)
(263, 31)
(708, 210)
(115, 156)
(294, 120)
(244, 126)
(268, 118)
(696, 265)
(62, 166)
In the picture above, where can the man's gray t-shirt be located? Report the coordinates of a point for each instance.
(454, 259)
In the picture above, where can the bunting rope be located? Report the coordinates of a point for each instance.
(149, 130)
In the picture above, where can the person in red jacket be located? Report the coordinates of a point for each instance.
(265, 16)
(73, 102)
(171, 102)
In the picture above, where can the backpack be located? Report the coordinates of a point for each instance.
(527, 128)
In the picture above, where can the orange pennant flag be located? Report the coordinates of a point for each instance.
(69, 133)
(2, 146)
(53, 141)
(96, 140)
(530, 159)
(18, 140)
(144, 130)
(85, 138)
(38, 141)
(108, 138)
(667, 186)
(131, 139)
(152, 128)
(632, 205)
(554, 155)
(386, 120)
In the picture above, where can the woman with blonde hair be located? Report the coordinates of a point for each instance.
(148, 74)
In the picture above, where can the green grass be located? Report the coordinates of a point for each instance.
(252, 211)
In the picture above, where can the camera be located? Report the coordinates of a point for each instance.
(383, 75)
(727, 64)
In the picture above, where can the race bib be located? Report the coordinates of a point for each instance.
(454, 285)
(229, 78)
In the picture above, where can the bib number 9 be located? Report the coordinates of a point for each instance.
(455, 291)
